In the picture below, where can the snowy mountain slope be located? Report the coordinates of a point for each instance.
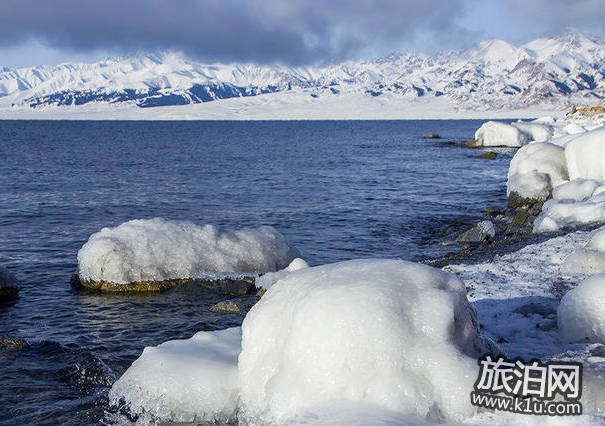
(550, 72)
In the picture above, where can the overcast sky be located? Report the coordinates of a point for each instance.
(34, 32)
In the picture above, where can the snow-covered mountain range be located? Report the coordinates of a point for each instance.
(549, 72)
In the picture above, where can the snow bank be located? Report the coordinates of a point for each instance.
(586, 155)
(495, 133)
(535, 169)
(386, 332)
(184, 380)
(536, 131)
(158, 249)
(581, 314)
(267, 280)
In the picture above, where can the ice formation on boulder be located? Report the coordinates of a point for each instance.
(574, 203)
(267, 280)
(584, 261)
(581, 314)
(184, 380)
(158, 249)
(586, 155)
(535, 169)
(395, 334)
(495, 133)
(536, 131)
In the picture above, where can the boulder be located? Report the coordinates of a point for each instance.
(481, 232)
(225, 307)
(9, 285)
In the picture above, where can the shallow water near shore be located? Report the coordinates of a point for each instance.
(337, 190)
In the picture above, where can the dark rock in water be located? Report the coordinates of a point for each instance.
(9, 285)
(490, 155)
(233, 286)
(132, 287)
(225, 307)
(432, 136)
(471, 143)
(520, 218)
(240, 285)
(481, 232)
(515, 201)
(8, 293)
(8, 344)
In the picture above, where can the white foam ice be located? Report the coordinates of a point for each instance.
(159, 249)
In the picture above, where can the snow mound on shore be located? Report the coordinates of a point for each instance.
(536, 131)
(581, 314)
(586, 155)
(495, 133)
(535, 169)
(184, 380)
(395, 334)
(158, 249)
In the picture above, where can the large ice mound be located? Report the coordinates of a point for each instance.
(581, 314)
(184, 380)
(586, 155)
(395, 334)
(159, 249)
(535, 169)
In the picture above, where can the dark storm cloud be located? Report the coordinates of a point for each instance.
(292, 31)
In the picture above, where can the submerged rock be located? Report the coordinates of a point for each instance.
(225, 307)
(240, 285)
(432, 136)
(9, 344)
(482, 231)
(490, 155)
(9, 285)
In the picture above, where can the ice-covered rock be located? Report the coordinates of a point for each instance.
(267, 280)
(586, 155)
(535, 169)
(158, 250)
(573, 203)
(584, 261)
(495, 133)
(536, 131)
(395, 334)
(597, 242)
(9, 284)
(581, 314)
(482, 231)
(184, 380)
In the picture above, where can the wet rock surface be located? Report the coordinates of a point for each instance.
(239, 285)
(225, 307)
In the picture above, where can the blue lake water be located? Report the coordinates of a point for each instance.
(336, 189)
